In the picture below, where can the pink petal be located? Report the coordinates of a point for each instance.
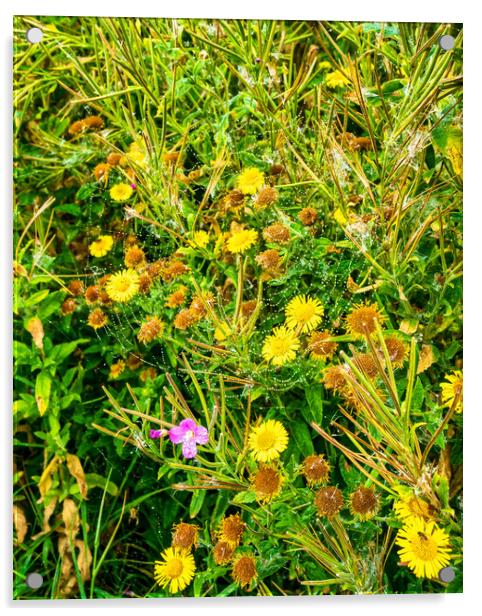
(176, 434)
(201, 435)
(188, 424)
(189, 449)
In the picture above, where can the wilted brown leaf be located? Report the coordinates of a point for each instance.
(20, 523)
(76, 470)
(70, 516)
(36, 329)
(408, 326)
(426, 358)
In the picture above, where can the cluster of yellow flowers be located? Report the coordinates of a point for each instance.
(303, 314)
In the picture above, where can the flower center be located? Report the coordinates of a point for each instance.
(123, 285)
(266, 440)
(424, 547)
(189, 435)
(305, 313)
(418, 507)
(174, 568)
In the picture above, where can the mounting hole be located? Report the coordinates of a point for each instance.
(34, 35)
(34, 580)
(446, 42)
(447, 575)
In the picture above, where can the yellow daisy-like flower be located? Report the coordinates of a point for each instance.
(117, 369)
(336, 79)
(222, 332)
(452, 390)
(424, 547)
(176, 569)
(200, 239)
(240, 241)
(280, 347)
(304, 313)
(101, 246)
(411, 506)
(268, 440)
(250, 181)
(121, 192)
(122, 286)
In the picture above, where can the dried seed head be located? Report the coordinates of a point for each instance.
(185, 319)
(176, 298)
(232, 529)
(364, 502)
(328, 501)
(267, 483)
(244, 570)
(150, 330)
(334, 378)
(361, 321)
(145, 282)
(76, 287)
(308, 216)
(397, 350)
(101, 172)
(247, 308)
(366, 363)
(277, 233)
(92, 294)
(68, 306)
(134, 361)
(266, 196)
(114, 159)
(320, 346)
(185, 536)
(134, 257)
(97, 318)
(316, 469)
(269, 259)
(222, 553)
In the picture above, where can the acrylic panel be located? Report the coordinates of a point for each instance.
(237, 308)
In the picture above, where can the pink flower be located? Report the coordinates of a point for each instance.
(189, 434)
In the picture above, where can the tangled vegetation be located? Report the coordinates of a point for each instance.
(238, 308)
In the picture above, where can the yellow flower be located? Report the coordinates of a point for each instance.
(222, 332)
(340, 218)
(176, 570)
(97, 318)
(240, 241)
(122, 286)
(280, 347)
(410, 506)
(425, 548)
(452, 389)
(250, 181)
(336, 79)
(117, 369)
(121, 192)
(268, 440)
(303, 313)
(200, 239)
(101, 246)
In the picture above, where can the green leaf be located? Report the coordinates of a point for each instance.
(244, 497)
(97, 481)
(197, 501)
(61, 351)
(302, 437)
(314, 397)
(43, 385)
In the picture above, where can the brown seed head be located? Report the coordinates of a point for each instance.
(134, 257)
(247, 308)
(114, 159)
(92, 294)
(68, 306)
(222, 553)
(148, 374)
(308, 216)
(362, 319)
(101, 172)
(177, 298)
(244, 570)
(316, 469)
(334, 378)
(277, 233)
(328, 501)
(185, 319)
(364, 502)
(97, 318)
(367, 364)
(320, 346)
(76, 287)
(185, 536)
(397, 350)
(267, 483)
(232, 529)
(150, 330)
(266, 197)
(134, 361)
